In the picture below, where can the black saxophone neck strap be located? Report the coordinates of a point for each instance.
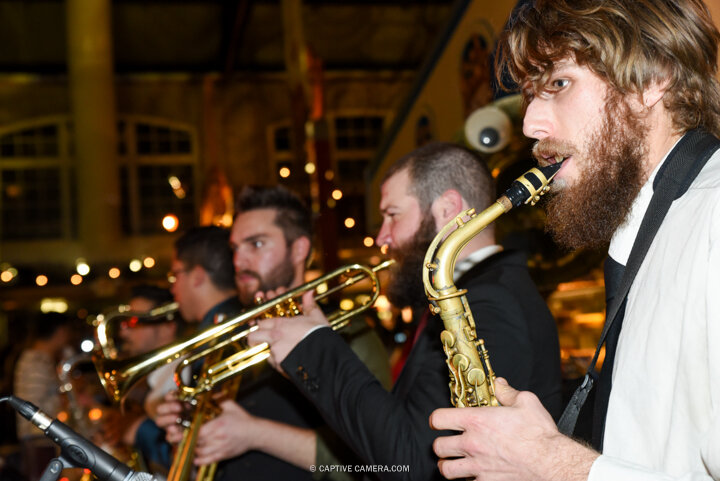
(674, 177)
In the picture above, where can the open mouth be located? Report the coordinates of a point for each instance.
(555, 159)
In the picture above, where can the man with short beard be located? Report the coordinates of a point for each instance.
(270, 431)
(625, 94)
(421, 193)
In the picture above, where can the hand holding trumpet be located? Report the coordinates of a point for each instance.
(282, 334)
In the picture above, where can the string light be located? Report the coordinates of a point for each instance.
(82, 267)
(170, 223)
(41, 280)
(95, 414)
(349, 222)
(50, 304)
(368, 241)
(114, 273)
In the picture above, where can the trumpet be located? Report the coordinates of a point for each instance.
(119, 376)
(102, 323)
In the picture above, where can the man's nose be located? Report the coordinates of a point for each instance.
(537, 123)
(239, 261)
(383, 237)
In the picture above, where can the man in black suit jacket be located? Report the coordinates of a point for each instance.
(269, 431)
(389, 430)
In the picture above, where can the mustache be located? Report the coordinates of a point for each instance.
(254, 274)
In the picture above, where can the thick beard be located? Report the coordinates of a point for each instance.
(587, 214)
(405, 288)
(281, 275)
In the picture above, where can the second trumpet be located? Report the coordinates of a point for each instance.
(118, 376)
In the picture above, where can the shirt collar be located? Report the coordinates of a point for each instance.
(229, 307)
(624, 237)
(475, 258)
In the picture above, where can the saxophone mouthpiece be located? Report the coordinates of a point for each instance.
(550, 170)
(531, 185)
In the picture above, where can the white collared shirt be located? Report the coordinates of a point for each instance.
(461, 267)
(663, 419)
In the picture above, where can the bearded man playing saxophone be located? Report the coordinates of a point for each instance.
(636, 121)
(420, 194)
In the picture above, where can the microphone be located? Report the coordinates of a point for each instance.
(75, 450)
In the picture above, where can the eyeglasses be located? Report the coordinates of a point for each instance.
(173, 275)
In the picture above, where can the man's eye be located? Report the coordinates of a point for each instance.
(560, 83)
(257, 244)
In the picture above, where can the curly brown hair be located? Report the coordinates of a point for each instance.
(629, 43)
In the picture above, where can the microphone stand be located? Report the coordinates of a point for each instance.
(54, 469)
(75, 450)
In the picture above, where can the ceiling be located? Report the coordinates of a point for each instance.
(227, 36)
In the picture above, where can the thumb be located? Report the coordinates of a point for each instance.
(308, 301)
(506, 395)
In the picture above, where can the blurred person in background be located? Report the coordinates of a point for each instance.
(140, 336)
(36, 380)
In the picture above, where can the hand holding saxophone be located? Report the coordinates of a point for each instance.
(487, 431)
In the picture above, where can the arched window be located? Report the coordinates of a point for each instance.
(36, 181)
(157, 174)
(157, 161)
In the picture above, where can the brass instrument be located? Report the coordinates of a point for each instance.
(204, 409)
(102, 323)
(118, 376)
(471, 376)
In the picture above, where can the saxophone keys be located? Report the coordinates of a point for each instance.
(476, 377)
(447, 338)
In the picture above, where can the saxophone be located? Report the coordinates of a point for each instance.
(472, 380)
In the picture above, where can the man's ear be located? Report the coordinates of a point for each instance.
(299, 250)
(197, 276)
(446, 207)
(654, 92)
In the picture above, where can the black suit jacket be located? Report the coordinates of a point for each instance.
(519, 332)
(391, 428)
(267, 394)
